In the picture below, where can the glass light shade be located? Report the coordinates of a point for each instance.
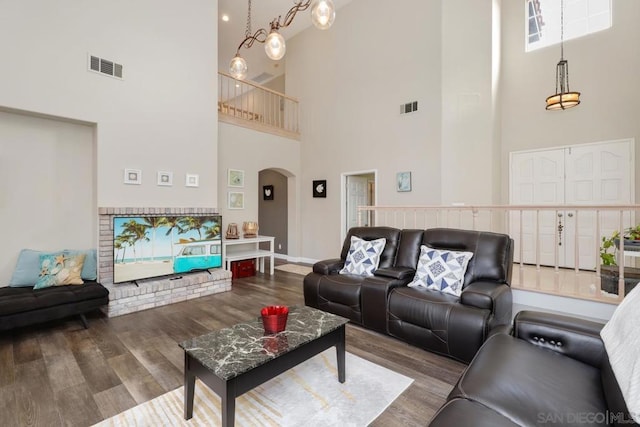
(563, 101)
(323, 13)
(274, 45)
(238, 67)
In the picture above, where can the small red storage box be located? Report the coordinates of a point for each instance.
(244, 268)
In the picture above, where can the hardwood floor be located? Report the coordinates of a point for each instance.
(60, 374)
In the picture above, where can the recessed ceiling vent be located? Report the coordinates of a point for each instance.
(261, 78)
(105, 66)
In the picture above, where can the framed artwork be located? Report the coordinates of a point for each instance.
(320, 188)
(165, 178)
(192, 180)
(235, 178)
(267, 192)
(403, 181)
(133, 176)
(236, 200)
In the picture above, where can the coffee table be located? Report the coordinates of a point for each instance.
(234, 360)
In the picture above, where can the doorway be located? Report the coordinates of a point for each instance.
(273, 207)
(358, 189)
(587, 174)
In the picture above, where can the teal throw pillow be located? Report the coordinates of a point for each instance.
(27, 270)
(90, 267)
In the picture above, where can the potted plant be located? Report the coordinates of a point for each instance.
(609, 270)
(631, 238)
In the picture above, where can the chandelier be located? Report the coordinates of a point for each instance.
(563, 98)
(322, 15)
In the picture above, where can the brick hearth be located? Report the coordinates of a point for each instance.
(127, 298)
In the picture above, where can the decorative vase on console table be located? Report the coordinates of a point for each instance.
(250, 229)
(232, 231)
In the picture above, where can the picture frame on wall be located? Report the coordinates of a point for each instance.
(192, 180)
(320, 188)
(133, 176)
(235, 200)
(235, 178)
(403, 181)
(267, 192)
(165, 179)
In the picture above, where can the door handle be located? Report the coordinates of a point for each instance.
(560, 228)
(570, 214)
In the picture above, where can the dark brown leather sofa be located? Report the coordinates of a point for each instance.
(552, 370)
(438, 322)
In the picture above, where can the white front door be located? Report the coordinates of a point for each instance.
(597, 174)
(589, 174)
(537, 178)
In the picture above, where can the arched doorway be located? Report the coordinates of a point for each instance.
(273, 208)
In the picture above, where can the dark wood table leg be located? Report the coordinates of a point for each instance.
(228, 404)
(340, 351)
(189, 388)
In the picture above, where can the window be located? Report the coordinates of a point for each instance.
(581, 17)
(215, 249)
(193, 250)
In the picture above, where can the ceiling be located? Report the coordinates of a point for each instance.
(231, 33)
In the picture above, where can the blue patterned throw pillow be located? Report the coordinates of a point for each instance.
(363, 256)
(441, 270)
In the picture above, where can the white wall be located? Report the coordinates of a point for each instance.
(469, 142)
(603, 66)
(251, 151)
(162, 116)
(41, 162)
(350, 81)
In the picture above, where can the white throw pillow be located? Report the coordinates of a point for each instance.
(363, 256)
(622, 343)
(441, 270)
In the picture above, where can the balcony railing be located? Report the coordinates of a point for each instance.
(557, 248)
(248, 104)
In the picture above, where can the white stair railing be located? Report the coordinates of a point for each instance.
(557, 247)
(248, 104)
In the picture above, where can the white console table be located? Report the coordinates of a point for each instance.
(248, 248)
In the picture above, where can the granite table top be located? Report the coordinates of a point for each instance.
(233, 351)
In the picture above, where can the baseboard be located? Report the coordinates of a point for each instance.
(296, 260)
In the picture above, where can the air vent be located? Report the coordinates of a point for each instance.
(409, 107)
(105, 66)
(261, 78)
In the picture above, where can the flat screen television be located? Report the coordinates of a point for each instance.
(151, 246)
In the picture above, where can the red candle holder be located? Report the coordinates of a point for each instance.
(274, 318)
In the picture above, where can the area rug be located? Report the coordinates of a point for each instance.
(306, 395)
(293, 268)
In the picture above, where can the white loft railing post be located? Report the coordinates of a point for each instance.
(621, 256)
(538, 239)
(557, 239)
(576, 242)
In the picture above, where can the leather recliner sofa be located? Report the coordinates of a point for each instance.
(551, 370)
(442, 323)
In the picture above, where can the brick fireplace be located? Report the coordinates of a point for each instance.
(127, 298)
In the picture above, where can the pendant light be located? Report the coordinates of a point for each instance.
(323, 13)
(563, 98)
